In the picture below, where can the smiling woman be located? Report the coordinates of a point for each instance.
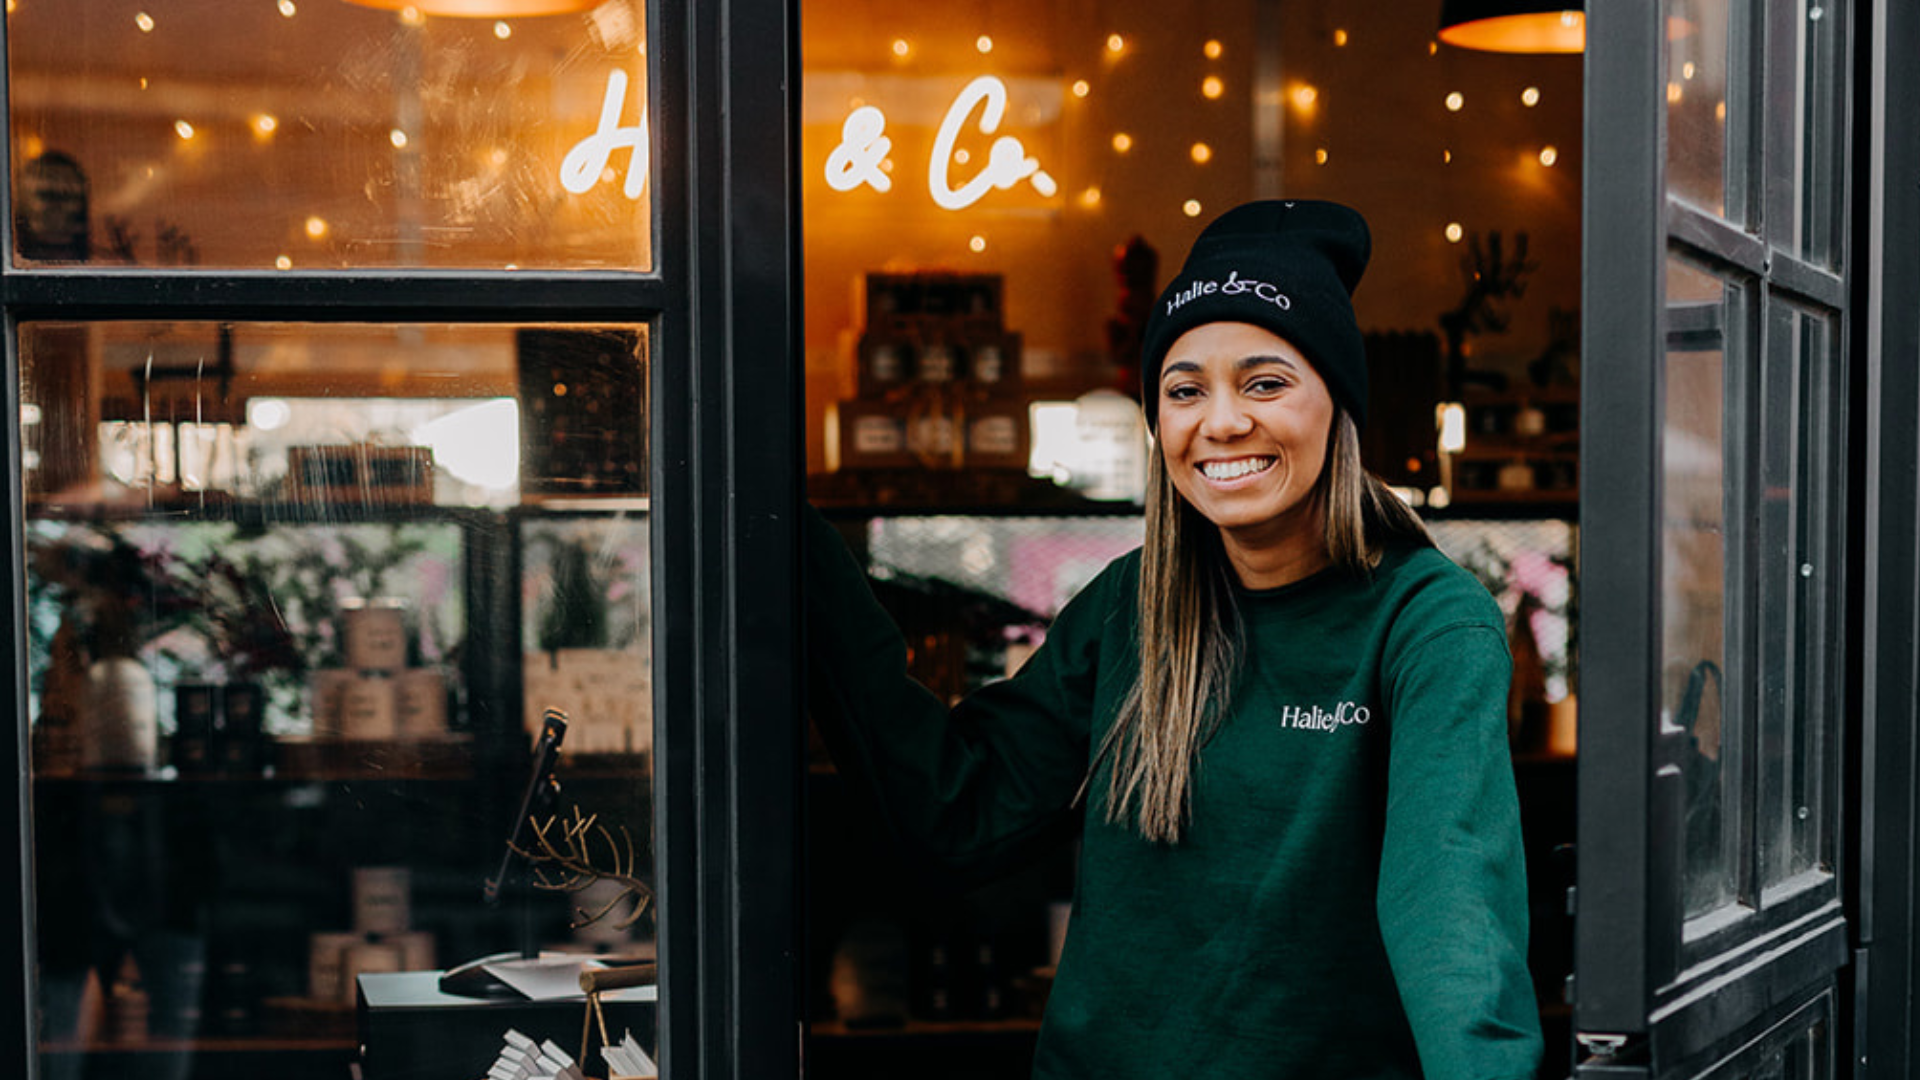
(1280, 726)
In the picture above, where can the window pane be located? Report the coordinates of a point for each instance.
(328, 134)
(1706, 110)
(297, 598)
(1797, 592)
(1817, 131)
(1694, 600)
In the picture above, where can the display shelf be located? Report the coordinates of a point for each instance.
(232, 1044)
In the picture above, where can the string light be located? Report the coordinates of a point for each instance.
(901, 48)
(287, 9)
(1090, 198)
(1673, 93)
(1339, 39)
(1304, 96)
(398, 138)
(1454, 232)
(1720, 112)
(983, 43)
(978, 243)
(1456, 101)
(1446, 157)
(144, 21)
(316, 228)
(1687, 70)
(283, 263)
(183, 129)
(1433, 48)
(502, 31)
(1212, 87)
(1202, 153)
(412, 16)
(1116, 43)
(1549, 155)
(1122, 142)
(1320, 156)
(1212, 49)
(960, 156)
(1530, 96)
(1192, 208)
(1081, 88)
(265, 124)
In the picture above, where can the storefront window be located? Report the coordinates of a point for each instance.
(300, 599)
(330, 134)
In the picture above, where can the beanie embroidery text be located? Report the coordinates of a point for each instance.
(1233, 286)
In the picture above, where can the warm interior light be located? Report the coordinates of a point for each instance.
(1452, 422)
(1213, 50)
(1211, 87)
(1202, 153)
(283, 263)
(1090, 198)
(1549, 155)
(398, 138)
(144, 21)
(1530, 96)
(484, 9)
(288, 9)
(983, 43)
(977, 244)
(1116, 43)
(1339, 39)
(502, 31)
(1304, 96)
(1513, 26)
(1456, 101)
(1454, 232)
(1192, 208)
(1081, 88)
(183, 129)
(316, 228)
(265, 124)
(900, 47)
(1123, 142)
(1320, 156)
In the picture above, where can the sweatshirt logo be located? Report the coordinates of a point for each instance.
(1315, 718)
(1233, 286)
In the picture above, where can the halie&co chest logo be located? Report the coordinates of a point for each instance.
(1315, 718)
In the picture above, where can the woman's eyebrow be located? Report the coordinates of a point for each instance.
(1258, 360)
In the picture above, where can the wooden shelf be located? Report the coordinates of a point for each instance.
(238, 1044)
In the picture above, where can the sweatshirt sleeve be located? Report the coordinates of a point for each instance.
(971, 788)
(1452, 899)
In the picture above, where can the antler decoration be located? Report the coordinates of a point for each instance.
(563, 861)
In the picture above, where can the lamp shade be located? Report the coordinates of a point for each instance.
(1513, 26)
(483, 9)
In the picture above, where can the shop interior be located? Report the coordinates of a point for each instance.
(992, 196)
(991, 192)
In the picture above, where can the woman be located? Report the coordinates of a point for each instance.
(1280, 725)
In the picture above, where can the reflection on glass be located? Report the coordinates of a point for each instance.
(1817, 125)
(279, 721)
(1704, 110)
(1796, 600)
(1694, 609)
(328, 135)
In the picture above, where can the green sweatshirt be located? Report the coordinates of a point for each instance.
(1350, 899)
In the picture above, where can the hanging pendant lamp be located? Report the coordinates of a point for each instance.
(483, 9)
(1513, 26)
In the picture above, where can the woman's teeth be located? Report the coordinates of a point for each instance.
(1234, 470)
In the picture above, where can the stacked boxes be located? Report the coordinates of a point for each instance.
(938, 378)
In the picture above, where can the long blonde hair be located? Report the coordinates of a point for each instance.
(1190, 633)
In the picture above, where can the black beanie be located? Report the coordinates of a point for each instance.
(1288, 266)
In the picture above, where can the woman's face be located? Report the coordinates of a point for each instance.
(1244, 423)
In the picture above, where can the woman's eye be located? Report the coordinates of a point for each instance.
(1182, 392)
(1269, 385)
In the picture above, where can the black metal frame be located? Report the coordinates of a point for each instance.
(722, 303)
(1886, 1014)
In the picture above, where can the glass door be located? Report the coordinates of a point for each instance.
(1711, 922)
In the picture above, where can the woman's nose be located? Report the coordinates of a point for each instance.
(1225, 417)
